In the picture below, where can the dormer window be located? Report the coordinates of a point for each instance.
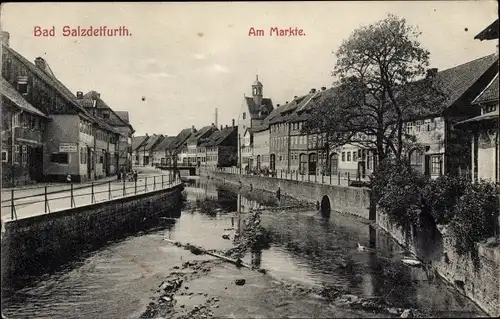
(244, 115)
(22, 84)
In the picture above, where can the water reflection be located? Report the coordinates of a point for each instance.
(117, 279)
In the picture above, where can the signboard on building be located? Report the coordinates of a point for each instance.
(68, 147)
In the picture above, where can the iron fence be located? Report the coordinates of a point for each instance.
(47, 199)
(344, 178)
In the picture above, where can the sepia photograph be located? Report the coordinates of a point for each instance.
(295, 159)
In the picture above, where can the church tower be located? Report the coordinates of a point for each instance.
(257, 91)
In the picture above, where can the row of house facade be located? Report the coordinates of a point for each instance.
(466, 123)
(208, 146)
(49, 133)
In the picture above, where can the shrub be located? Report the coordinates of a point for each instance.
(475, 218)
(441, 196)
(398, 190)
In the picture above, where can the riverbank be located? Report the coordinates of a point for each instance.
(480, 285)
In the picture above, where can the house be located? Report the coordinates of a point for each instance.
(93, 103)
(253, 111)
(196, 153)
(484, 129)
(138, 149)
(440, 143)
(221, 147)
(261, 147)
(23, 129)
(173, 153)
(145, 150)
(159, 151)
(76, 143)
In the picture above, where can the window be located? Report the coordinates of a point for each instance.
(24, 154)
(105, 115)
(244, 115)
(409, 127)
(61, 158)
(427, 125)
(343, 156)
(348, 156)
(22, 84)
(369, 159)
(354, 156)
(418, 124)
(17, 154)
(436, 165)
(302, 163)
(5, 156)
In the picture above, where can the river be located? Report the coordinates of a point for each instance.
(121, 279)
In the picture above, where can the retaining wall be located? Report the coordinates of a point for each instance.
(436, 248)
(33, 243)
(432, 245)
(351, 200)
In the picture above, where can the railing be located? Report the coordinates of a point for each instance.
(36, 201)
(340, 178)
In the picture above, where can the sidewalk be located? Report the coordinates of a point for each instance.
(61, 184)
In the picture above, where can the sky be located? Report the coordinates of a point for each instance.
(187, 59)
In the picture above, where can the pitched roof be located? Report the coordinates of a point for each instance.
(87, 101)
(259, 111)
(48, 77)
(164, 144)
(15, 97)
(202, 133)
(180, 139)
(123, 115)
(138, 141)
(490, 93)
(457, 80)
(153, 141)
(219, 137)
(490, 33)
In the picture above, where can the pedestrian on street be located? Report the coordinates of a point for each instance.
(135, 176)
(68, 178)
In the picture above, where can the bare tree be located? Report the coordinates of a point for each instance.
(381, 82)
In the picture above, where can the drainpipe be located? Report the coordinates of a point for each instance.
(94, 157)
(13, 141)
(288, 146)
(239, 151)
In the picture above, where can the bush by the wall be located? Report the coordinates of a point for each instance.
(441, 196)
(475, 218)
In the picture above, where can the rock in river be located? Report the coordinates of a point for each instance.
(239, 282)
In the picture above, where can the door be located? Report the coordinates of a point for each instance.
(312, 164)
(272, 162)
(334, 164)
(107, 163)
(35, 162)
(361, 169)
(89, 163)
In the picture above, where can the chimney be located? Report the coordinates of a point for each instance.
(213, 125)
(233, 122)
(313, 90)
(431, 73)
(323, 88)
(222, 127)
(278, 105)
(226, 126)
(40, 63)
(79, 95)
(193, 129)
(286, 102)
(6, 38)
(295, 97)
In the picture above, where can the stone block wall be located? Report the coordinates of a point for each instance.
(33, 243)
(482, 285)
(352, 200)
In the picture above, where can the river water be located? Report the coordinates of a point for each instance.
(119, 280)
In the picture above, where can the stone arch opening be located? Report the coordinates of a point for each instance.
(325, 207)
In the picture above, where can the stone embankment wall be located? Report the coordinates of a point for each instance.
(430, 244)
(436, 248)
(31, 244)
(352, 200)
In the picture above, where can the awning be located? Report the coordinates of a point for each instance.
(435, 149)
(24, 140)
(484, 117)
